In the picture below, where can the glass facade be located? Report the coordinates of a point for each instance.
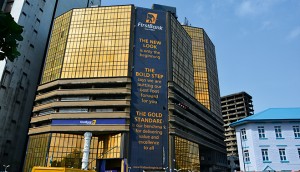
(88, 43)
(36, 151)
(57, 48)
(65, 150)
(212, 72)
(199, 63)
(183, 72)
(109, 146)
(207, 90)
(186, 155)
(95, 43)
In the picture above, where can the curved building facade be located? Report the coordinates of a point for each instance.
(126, 75)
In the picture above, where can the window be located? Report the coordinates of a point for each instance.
(282, 155)
(74, 99)
(299, 152)
(264, 153)
(24, 13)
(5, 79)
(278, 132)
(45, 101)
(243, 133)
(105, 110)
(261, 132)
(73, 110)
(46, 112)
(246, 156)
(296, 131)
(27, 64)
(8, 6)
(23, 81)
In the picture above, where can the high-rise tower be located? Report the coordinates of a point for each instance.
(234, 107)
(207, 90)
(126, 75)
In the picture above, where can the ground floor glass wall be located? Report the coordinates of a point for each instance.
(109, 146)
(65, 150)
(186, 155)
(36, 151)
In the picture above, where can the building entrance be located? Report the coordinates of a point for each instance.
(109, 165)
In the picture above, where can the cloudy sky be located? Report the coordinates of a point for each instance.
(257, 44)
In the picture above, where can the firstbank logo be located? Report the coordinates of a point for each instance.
(88, 122)
(151, 18)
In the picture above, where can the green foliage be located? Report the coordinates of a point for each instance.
(10, 33)
(71, 160)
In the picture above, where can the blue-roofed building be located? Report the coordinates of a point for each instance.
(269, 140)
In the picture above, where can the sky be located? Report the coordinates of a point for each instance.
(257, 45)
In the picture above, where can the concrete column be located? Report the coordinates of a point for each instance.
(86, 150)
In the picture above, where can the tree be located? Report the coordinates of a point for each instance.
(72, 159)
(10, 33)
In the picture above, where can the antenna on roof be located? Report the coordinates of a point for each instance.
(93, 3)
(186, 22)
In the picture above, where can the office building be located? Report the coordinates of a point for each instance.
(19, 79)
(234, 107)
(269, 140)
(206, 81)
(117, 93)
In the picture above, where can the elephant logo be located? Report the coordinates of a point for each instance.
(151, 18)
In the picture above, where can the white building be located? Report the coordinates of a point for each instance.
(19, 79)
(269, 140)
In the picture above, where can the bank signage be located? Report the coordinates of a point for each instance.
(106, 121)
(149, 111)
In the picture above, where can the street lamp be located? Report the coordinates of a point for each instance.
(6, 166)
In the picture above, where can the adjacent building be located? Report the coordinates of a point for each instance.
(119, 84)
(269, 140)
(19, 79)
(206, 81)
(234, 107)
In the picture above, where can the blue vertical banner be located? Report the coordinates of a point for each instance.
(149, 101)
